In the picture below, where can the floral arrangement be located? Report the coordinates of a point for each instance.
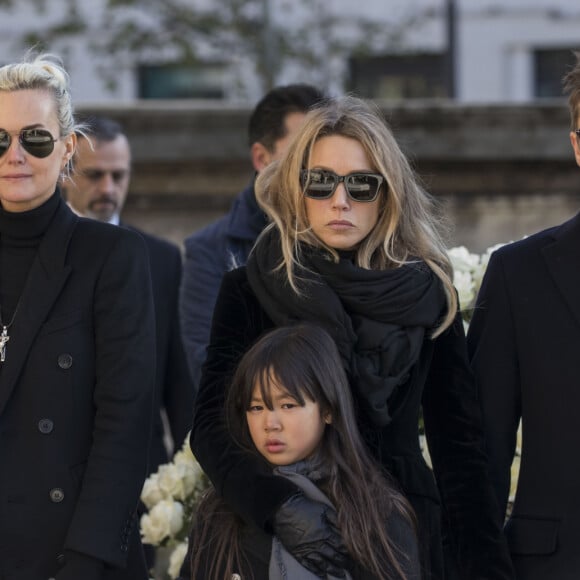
(468, 273)
(171, 495)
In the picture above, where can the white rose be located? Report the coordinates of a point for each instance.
(151, 493)
(183, 458)
(163, 521)
(191, 472)
(176, 560)
(171, 481)
(190, 478)
(425, 450)
(514, 475)
(464, 285)
(462, 259)
(186, 447)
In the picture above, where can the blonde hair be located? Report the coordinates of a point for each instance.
(408, 225)
(42, 72)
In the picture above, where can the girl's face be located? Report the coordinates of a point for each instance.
(27, 181)
(289, 432)
(338, 221)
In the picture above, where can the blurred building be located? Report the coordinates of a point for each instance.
(468, 87)
(476, 51)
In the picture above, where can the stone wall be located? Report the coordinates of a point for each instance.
(190, 159)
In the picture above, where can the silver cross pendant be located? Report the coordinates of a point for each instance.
(4, 338)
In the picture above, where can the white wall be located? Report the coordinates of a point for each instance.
(495, 47)
(495, 42)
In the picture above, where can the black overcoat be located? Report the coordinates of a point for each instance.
(524, 342)
(75, 402)
(174, 389)
(454, 513)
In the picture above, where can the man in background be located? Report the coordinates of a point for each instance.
(524, 345)
(98, 189)
(226, 243)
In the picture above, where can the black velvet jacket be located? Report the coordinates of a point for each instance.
(458, 534)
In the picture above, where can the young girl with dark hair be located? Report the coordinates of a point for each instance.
(290, 405)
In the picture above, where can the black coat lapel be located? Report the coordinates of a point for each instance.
(43, 286)
(563, 261)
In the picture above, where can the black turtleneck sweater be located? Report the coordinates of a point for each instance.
(20, 236)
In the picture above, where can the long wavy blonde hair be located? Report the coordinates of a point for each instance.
(408, 225)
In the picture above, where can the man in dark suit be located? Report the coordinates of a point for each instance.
(226, 243)
(99, 189)
(524, 343)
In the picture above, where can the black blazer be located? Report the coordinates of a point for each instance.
(460, 505)
(524, 343)
(75, 402)
(174, 390)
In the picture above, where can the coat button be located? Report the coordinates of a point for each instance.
(56, 495)
(45, 426)
(65, 360)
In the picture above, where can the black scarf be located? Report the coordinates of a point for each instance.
(378, 318)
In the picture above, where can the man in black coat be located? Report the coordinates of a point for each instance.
(99, 189)
(524, 343)
(226, 243)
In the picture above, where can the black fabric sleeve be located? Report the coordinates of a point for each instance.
(494, 358)
(244, 480)
(453, 427)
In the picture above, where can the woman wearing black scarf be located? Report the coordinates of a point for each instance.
(353, 247)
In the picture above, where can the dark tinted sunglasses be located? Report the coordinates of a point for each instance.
(38, 142)
(322, 183)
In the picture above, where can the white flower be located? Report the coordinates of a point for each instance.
(465, 288)
(514, 475)
(176, 560)
(151, 493)
(425, 450)
(163, 521)
(171, 496)
(483, 262)
(183, 457)
(186, 447)
(462, 259)
(171, 480)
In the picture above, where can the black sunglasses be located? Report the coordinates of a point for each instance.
(38, 142)
(577, 131)
(322, 183)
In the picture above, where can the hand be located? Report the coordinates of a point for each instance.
(308, 530)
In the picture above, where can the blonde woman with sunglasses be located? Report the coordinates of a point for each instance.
(76, 352)
(353, 246)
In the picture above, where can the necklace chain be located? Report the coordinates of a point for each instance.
(11, 320)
